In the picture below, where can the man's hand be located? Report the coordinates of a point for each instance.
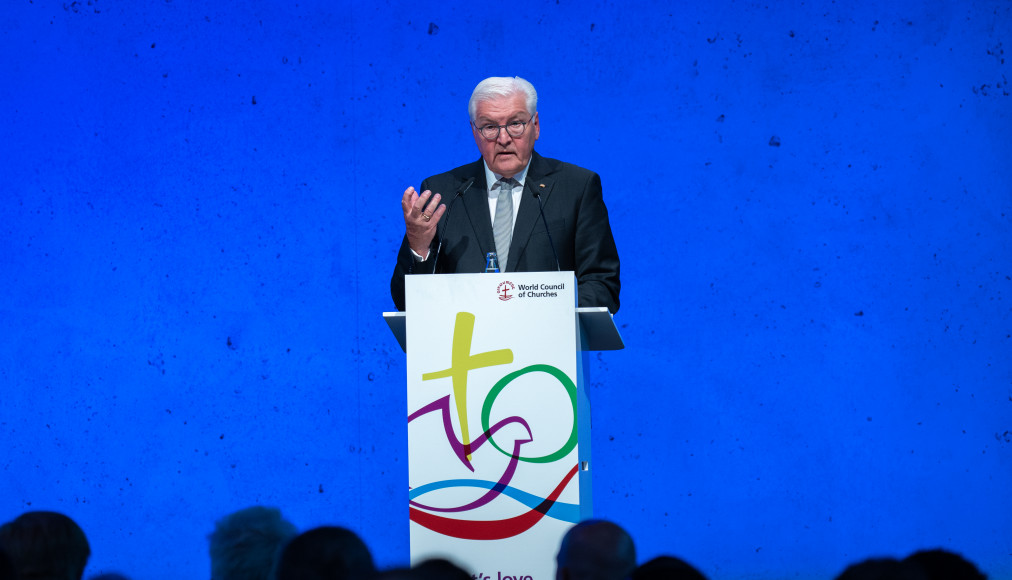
(420, 221)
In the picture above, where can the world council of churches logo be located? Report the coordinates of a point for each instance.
(504, 290)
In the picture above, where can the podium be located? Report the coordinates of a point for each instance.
(499, 461)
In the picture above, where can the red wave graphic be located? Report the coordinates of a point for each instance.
(494, 529)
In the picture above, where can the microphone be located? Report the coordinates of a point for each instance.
(460, 192)
(551, 244)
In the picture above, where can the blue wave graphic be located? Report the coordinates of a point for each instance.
(565, 512)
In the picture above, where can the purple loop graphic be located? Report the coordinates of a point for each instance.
(462, 451)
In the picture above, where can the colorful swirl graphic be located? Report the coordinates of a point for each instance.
(538, 507)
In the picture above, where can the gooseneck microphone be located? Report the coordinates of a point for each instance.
(460, 192)
(551, 244)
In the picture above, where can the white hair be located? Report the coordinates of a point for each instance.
(495, 87)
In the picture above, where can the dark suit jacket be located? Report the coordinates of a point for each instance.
(574, 211)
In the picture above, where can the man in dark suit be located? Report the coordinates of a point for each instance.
(498, 206)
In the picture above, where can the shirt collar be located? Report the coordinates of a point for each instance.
(491, 178)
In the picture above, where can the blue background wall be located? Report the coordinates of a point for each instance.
(812, 200)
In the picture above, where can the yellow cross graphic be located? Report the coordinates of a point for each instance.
(462, 361)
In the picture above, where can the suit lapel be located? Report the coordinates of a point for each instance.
(476, 206)
(529, 214)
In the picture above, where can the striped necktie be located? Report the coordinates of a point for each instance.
(502, 226)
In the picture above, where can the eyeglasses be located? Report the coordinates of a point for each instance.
(514, 129)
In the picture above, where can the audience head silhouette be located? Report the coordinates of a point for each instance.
(244, 545)
(440, 569)
(941, 564)
(667, 568)
(882, 569)
(595, 550)
(326, 553)
(6, 567)
(45, 546)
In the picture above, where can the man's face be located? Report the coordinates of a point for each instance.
(506, 155)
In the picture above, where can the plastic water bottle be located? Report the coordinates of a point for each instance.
(491, 262)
